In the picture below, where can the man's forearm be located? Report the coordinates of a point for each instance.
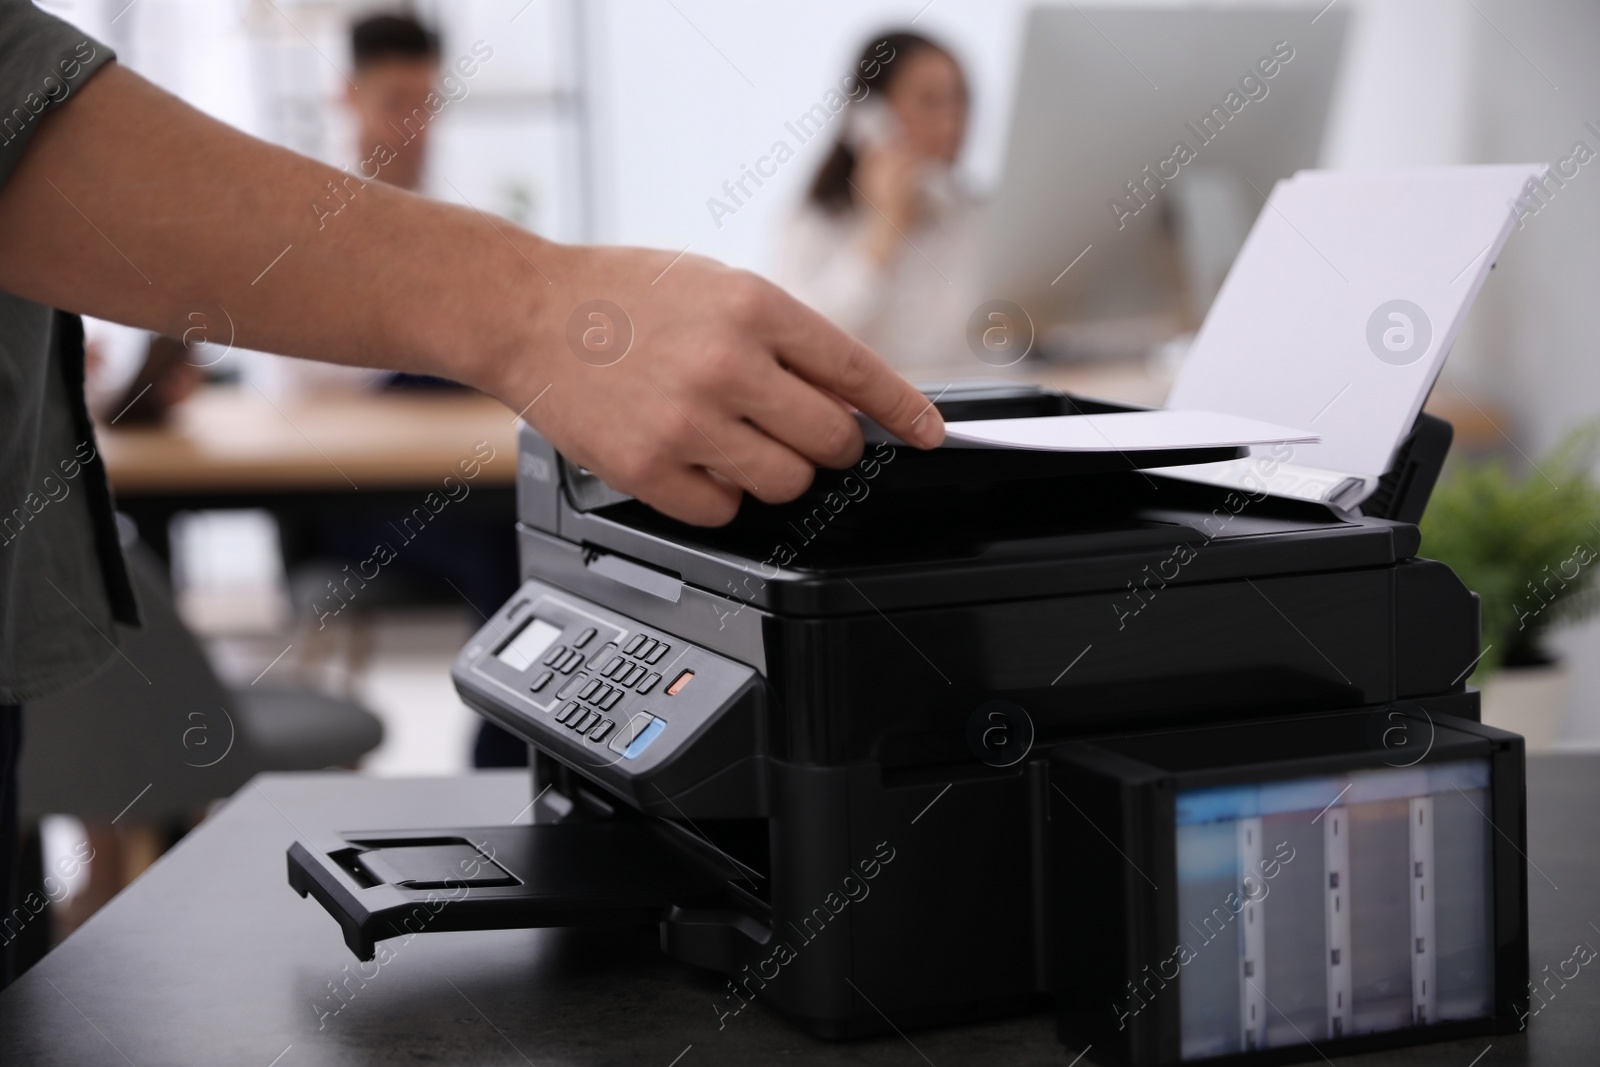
(132, 206)
(305, 259)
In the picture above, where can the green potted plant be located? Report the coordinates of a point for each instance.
(1528, 543)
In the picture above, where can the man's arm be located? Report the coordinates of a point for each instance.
(132, 206)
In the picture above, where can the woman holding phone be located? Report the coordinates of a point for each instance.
(883, 242)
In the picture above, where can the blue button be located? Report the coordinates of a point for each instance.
(643, 739)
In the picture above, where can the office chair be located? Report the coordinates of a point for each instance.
(139, 750)
(157, 736)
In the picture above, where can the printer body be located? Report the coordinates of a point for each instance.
(816, 745)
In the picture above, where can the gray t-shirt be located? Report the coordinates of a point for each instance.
(62, 578)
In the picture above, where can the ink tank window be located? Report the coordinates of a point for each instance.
(1319, 908)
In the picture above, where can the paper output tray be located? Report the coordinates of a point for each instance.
(393, 883)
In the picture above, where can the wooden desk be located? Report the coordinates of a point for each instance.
(345, 452)
(227, 439)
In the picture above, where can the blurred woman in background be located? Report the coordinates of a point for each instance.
(883, 244)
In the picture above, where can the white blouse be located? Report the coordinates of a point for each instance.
(912, 310)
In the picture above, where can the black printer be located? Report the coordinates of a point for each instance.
(824, 746)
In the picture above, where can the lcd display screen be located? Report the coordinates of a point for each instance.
(528, 644)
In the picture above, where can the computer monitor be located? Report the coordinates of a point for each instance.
(1143, 144)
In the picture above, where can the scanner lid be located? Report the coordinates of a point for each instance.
(906, 528)
(854, 544)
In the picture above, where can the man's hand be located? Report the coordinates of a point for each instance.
(132, 206)
(721, 383)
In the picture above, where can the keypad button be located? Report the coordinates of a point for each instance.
(572, 686)
(609, 701)
(642, 740)
(635, 672)
(555, 654)
(541, 680)
(649, 682)
(656, 653)
(644, 650)
(589, 690)
(631, 729)
(568, 662)
(566, 711)
(601, 730)
(588, 720)
(584, 638)
(633, 643)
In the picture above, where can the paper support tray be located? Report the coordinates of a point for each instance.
(393, 883)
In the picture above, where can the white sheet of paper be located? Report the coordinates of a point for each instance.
(1317, 323)
(1122, 431)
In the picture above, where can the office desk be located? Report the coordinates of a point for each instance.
(232, 447)
(210, 958)
(225, 439)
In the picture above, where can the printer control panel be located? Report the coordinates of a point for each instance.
(614, 699)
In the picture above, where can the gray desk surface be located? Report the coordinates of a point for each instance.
(210, 958)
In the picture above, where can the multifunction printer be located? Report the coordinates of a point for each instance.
(965, 733)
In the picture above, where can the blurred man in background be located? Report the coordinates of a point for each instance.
(394, 92)
(396, 67)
